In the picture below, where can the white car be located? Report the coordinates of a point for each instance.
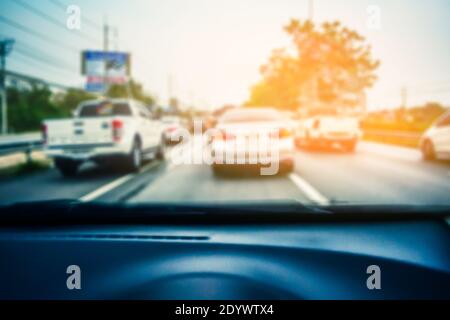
(115, 131)
(435, 143)
(253, 136)
(329, 131)
(173, 127)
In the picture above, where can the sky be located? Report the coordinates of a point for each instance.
(209, 51)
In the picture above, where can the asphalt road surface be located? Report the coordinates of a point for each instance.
(373, 174)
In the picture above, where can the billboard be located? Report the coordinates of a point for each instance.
(102, 68)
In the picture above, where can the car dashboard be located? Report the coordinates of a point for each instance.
(308, 260)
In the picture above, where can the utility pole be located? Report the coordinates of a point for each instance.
(363, 103)
(311, 10)
(115, 33)
(308, 92)
(5, 48)
(169, 89)
(105, 53)
(314, 81)
(404, 97)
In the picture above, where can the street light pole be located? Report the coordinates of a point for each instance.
(404, 95)
(3, 87)
(311, 10)
(105, 53)
(314, 81)
(5, 49)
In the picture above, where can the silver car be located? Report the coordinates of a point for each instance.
(435, 143)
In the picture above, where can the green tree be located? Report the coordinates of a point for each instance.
(133, 90)
(331, 66)
(27, 108)
(68, 101)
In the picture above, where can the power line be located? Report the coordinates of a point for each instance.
(50, 19)
(431, 91)
(42, 61)
(430, 87)
(37, 34)
(29, 53)
(56, 74)
(437, 88)
(45, 60)
(17, 75)
(22, 59)
(432, 84)
(49, 58)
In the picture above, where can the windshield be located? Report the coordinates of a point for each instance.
(318, 103)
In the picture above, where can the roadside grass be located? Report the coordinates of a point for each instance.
(25, 167)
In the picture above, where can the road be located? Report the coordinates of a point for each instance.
(374, 174)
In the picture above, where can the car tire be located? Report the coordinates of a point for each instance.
(166, 140)
(218, 170)
(287, 168)
(307, 141)
(428, 152)
(161, 151)
(68, 168)
(134, 159)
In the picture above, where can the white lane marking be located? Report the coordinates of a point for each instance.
(114, 184)
(308, 189)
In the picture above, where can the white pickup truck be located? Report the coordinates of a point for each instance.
(114, 131)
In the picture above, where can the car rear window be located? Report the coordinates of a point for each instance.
(170, 120)
(105, 109)
(251, 115)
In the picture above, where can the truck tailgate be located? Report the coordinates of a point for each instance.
(79, 132)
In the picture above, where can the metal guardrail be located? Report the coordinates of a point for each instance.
(394, 133)
(410, 138)
(20, 144)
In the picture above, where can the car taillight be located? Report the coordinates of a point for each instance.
(282, 133)
(44, 133)
(223, 135)
(117, 130)
(316, 124)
